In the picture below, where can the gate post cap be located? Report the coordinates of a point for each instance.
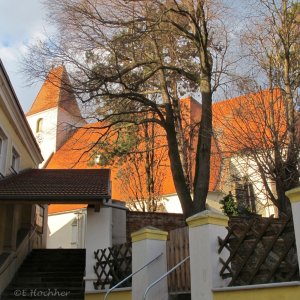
(207, 217)
(149, 233)
(293, 194)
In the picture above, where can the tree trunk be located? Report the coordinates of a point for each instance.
(202, 172)
(284, 204)
(176, 166)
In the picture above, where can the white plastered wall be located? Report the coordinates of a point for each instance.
(172, 203)
(67, 229)
(46, 138)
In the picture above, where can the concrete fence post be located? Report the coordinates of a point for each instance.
(147, 244)
(204, 229)
(294, 196)
(99, 228)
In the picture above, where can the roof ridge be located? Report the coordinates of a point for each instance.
(47, 96)
(247, 95)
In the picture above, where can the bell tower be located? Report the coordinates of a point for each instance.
(54, 114)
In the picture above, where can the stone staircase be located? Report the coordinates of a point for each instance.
(49, 274)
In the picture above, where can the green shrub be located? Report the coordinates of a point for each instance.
(229, 206)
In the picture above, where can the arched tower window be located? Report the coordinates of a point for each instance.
(39, 125)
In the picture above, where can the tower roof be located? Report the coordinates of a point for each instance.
(56, 92)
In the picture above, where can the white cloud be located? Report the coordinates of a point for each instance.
(6, 54)
(21, 23)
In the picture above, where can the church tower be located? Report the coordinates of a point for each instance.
(54, 115)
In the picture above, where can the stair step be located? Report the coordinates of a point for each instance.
(49, 274)
(61, 262)
(29, 283)
(45, 274)
(41, 270)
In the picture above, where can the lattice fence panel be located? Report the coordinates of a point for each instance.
(113, 264)
(262, 250)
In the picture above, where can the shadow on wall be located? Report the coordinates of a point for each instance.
(64, 237)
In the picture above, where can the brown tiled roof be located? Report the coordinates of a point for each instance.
(57, 186)
(52, 94)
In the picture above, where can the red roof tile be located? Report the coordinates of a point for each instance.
(52, 94)
(244, 122)
(76, 152)
(230, 118)
(57, 208)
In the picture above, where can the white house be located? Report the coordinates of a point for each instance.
(18, 151)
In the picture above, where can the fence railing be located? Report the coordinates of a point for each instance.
(131, 275)
(164, 275)
(179, 280)
(113, 264)
(262, 250)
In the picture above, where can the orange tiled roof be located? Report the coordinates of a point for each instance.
(53, 95)
(243, 122)
(231, 118)
(57, 208)
(76, 152)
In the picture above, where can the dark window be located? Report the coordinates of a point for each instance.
(245, 196)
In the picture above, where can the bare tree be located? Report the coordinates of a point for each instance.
(135, 59)
(263, 126)
(142, 174)
(139, 153)
(248, 131)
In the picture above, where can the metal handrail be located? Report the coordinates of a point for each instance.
(163, 276)
(129, 276)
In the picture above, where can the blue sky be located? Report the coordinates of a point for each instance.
(21, 22)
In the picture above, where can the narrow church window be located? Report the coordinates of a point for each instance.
(39, 125)
(245, 196)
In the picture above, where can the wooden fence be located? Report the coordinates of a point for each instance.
(179, 281)
(262, 250)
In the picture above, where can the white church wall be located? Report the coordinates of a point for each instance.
(246, 167)
(46, 137)
(172, 203)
